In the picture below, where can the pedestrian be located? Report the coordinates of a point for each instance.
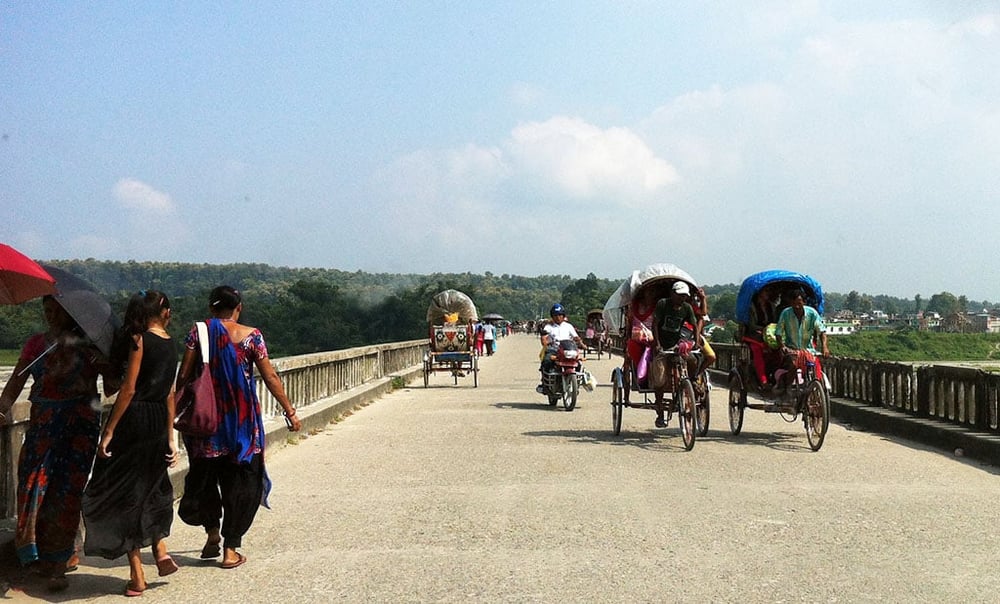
(479, 339)
(128, 503)
(61, 440)
(489, 338)
(227, 480)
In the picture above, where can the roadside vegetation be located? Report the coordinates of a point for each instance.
(910, 345)
(311, 310)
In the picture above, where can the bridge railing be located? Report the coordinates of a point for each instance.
(307, 379)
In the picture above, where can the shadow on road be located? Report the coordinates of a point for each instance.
(657, 438)
(541, 405)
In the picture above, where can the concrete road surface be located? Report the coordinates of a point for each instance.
(462, 494)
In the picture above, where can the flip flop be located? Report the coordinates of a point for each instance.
(211, 550)
(131, 592)
(166, 566)
(238, 562)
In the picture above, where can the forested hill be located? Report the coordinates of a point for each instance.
(313, 309)
(309, 309)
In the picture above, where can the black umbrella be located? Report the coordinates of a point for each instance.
(492, 316)
(87, 307)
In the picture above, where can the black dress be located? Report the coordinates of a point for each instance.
(128, 503)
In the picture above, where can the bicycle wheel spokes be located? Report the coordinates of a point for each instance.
(816, 414)
(686, 413)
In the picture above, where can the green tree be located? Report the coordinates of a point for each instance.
(722, 306)
(584, 295)
(853, 301)
(944, 303)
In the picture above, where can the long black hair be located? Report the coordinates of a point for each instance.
(140, 308)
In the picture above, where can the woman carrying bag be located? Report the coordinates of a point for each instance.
(227, 480)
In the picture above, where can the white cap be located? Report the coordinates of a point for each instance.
(682, 288)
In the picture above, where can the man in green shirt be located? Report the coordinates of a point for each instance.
(670, 316)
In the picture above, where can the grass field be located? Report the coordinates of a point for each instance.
(917, 346)
(8, 358)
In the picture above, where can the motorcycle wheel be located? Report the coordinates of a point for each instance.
(571, 389)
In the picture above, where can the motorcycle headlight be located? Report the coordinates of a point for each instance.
(570, 354)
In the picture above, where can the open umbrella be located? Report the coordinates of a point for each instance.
(492, 316)
(21, 278)
(87, 307)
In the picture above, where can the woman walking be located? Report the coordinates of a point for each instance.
(227, 481)
(128, 503)
(61, 440)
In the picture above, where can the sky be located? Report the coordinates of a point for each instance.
(855, 141)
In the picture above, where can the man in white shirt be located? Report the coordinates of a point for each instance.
(557, 330)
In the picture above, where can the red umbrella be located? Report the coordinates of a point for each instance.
(21, 278)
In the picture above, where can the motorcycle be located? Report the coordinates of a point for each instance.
(563, 374)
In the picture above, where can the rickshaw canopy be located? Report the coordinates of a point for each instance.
(757, 281)
(622, 297)
(451, 302)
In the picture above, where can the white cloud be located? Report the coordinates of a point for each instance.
(135, 194)
(585, 161)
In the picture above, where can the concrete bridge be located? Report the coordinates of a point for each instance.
(458, 494)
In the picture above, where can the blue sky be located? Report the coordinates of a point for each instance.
(856, 141)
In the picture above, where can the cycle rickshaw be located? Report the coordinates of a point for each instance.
(449, 318)
(683, 394)
(596, 333)
(758, 364)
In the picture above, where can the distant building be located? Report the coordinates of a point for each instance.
(984, 323)
(842, 328)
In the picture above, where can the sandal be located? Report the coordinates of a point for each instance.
(237, 562)
(166, 566)
(131, 592)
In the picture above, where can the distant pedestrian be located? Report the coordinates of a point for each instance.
(489, 338)
(227, 481)
(128, 503)
(479, 339)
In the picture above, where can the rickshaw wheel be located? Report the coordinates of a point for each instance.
(703, 407)
(686, 413)
(617, 401)
(816, 414)
(736, 408)
(571, 389)
(427, 371)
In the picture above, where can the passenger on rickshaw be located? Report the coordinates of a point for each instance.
(798, 330)
(674, 315)
(700, 307)
(641, 340)
(765, 358)
(552, 333)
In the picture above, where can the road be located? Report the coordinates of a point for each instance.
(462, 494)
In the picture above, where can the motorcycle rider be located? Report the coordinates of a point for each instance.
(555, 331)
